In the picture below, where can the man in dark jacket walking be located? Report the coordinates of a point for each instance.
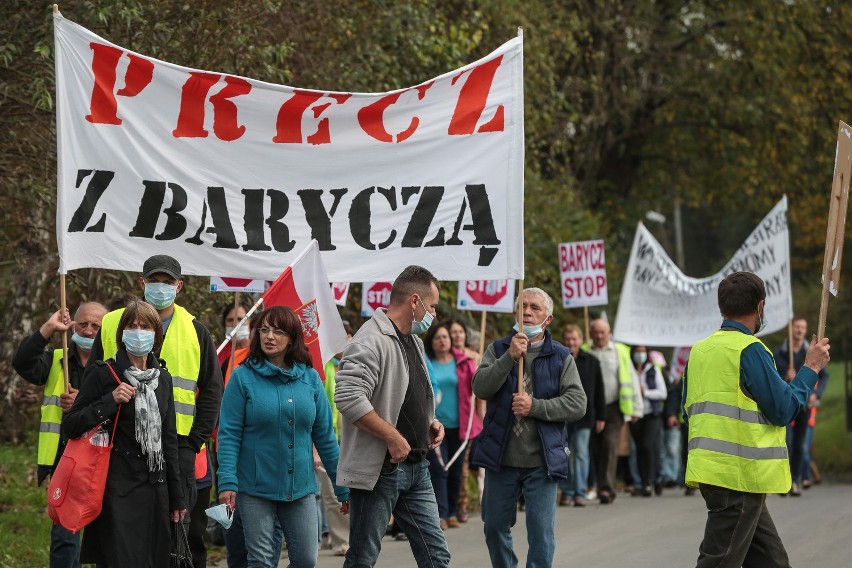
(574, 487)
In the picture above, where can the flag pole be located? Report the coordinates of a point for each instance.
(790, 342)
(520, 316)
(586, 319)
(239, 325)
(63, 307)
(233, 342)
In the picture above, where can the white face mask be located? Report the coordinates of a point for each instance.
(242, 333)
(640, 358)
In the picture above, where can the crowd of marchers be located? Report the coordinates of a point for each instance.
(383, 439)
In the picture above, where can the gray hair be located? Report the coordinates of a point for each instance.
(548, 301)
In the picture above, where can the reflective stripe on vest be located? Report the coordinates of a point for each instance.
(182, 354)
(731, 442)
(51, 412)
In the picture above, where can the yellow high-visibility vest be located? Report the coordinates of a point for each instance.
(182, 354)
(731, 442)
(51, 412)
(625, 377)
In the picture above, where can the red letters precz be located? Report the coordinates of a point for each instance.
(467, 118)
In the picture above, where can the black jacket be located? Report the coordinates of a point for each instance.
(592, 380)
(33, 361)
(133, 528)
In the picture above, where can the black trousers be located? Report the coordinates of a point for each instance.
(646, 434)
(739, 532)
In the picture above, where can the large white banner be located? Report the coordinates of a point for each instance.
(232, 175)
(661, 306)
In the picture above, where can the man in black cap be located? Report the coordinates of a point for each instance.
(190, 357)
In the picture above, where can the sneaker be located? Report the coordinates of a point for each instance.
(400, 536)
(580, 502)
(453, 523)
(564, 501)
(689, 492)
(463, 516)
(806, 484)
(646, 491)
(591, 495)
(606, 498)
(444, 524)
(796, 490)
(658, 489)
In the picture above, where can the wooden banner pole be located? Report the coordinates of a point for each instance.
(790, 342)
(586, 319)
(482, 336)
(63, 307)
(520, 316)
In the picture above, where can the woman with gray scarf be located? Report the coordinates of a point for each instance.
(143, 490)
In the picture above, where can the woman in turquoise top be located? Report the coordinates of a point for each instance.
(273, 411)
(451, 372)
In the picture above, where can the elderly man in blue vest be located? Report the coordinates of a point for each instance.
(40, 364)
(738, 407)
(523, 444)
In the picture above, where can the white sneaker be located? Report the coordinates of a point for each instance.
(591, 495)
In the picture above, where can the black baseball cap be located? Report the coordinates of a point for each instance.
(161, 263)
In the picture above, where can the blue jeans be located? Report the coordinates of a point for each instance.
(575, 485)
(64, 548)
(405, 490)
(806, 454)
(298, 519)
(669, 454)
(500, 512)
(235, 542)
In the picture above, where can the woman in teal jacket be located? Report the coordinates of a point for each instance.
(273, 412)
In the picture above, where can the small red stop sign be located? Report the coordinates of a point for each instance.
(487, 292)
(378, 295)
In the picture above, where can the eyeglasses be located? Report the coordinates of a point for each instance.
(278, 333)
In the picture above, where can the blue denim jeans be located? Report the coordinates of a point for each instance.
(669, 454)
(298, 519)
(235, 542)
(575, 485)
(404, 490)
(64, 548)
(806, 454)
(500, 512)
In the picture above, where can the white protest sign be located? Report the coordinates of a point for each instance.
(680, 358)
(231, 175)
(660, 305)
(228, 284)
(340, 290)
(375, 295)
(487, 295)
(583, 269)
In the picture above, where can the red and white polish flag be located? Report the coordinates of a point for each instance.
(304, 287)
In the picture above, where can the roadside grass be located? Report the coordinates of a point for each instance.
(24, 524)
(832, 444)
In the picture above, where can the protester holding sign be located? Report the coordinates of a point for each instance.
(42, 365)
(143, 488)
(737, 441)
(451, 372)
(524, 438)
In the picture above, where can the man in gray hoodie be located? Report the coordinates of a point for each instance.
(385, 397)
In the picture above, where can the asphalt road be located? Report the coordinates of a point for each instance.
(657, 532)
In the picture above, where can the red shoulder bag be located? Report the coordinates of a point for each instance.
(75, 495)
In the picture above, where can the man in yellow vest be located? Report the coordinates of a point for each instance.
(623, 402)
(190, 357)
(737, 407)
(42, 365)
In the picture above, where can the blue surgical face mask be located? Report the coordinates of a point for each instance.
(138, 342)
(418, 327)
(84, 343)
(640, 358)
(160, 295)
(531, 330)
